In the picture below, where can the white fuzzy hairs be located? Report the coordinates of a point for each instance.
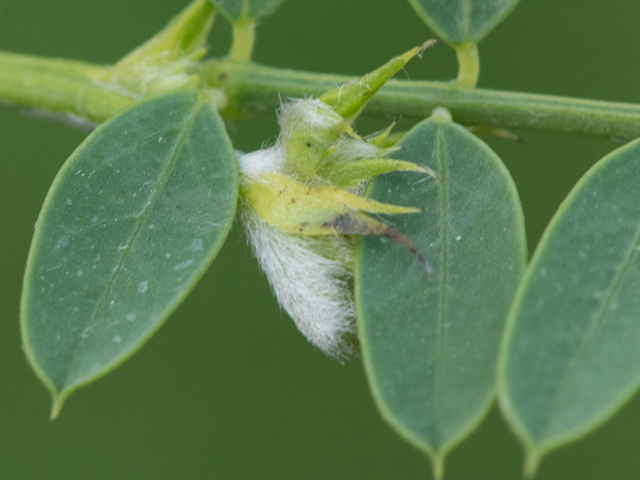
(312, 276)
(312, 285)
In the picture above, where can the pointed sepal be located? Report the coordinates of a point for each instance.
(347, 100)
(352, 173)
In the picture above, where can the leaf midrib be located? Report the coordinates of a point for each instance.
(165, 173)
(466, 17)
(444, 267)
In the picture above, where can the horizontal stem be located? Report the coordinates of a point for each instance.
(60, 86)
(67, 86)
(253, 88)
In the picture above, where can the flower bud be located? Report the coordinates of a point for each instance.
(302, 203)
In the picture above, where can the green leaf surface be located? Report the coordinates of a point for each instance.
(246, 10)
(430, 342)
(461, 22)
(132, 221)
(571, 355)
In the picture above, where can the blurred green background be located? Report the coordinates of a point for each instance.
(228, 388)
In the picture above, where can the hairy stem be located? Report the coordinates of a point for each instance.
(60, 86)
(73, 87)
(252, 88)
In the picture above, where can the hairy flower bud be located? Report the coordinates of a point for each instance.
(302, 204)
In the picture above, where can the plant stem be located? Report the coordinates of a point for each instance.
(252, 88)
(244, 37)
(468, 65)
(73, 87)
(61, 86)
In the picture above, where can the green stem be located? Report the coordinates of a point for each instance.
(73, 87)
(61, 86)
(468, 66)
(244, 37)
(252, 88)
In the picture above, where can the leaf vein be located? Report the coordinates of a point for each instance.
(443, 301)
(163, 177)
(595, 324)
(466, 17)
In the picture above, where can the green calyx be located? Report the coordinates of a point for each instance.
(323, 149)
(317, 190)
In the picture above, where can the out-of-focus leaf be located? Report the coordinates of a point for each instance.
(461, 22)
(571, 354)
(246, 10)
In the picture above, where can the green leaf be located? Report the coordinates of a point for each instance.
(461, 22)
(570, 357)
(246, 10)
(131, 222)
(430, 342)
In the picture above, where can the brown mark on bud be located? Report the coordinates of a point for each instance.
(359, 224)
